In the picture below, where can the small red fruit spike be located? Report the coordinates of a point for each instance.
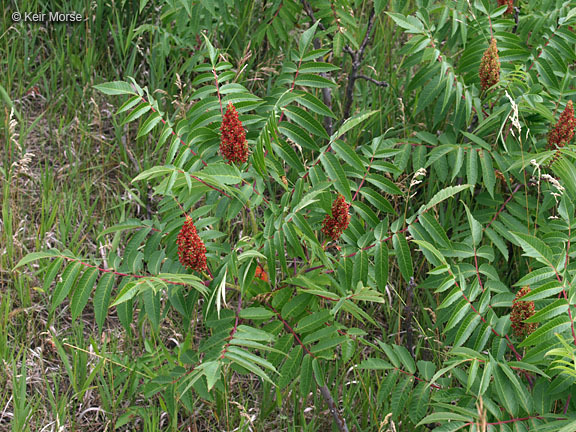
(563, 132)
(335, 225)
(261, 273)
(233, 144)
(522, 310)
(191, 249)
(510, 4)
(490, 66)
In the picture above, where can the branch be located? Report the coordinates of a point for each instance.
(408, 319)
(310, 13)
(378, 83)
(356, 62)
(340, 421)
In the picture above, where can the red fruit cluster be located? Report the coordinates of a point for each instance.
(335, 225)
(261, 273)
(510, 4)
(191, 249)
(233, 144)
(490, 66)
(522, 310)
(564, 130)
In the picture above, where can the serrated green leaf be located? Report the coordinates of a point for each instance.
(256, 313)
(381, 265)
(115, 88)
(313, 321)
(34, 256)
(314, 81)
(375, 364)
(149, 124)
(348, 154)
(82, 292)
(488, 174)
(475, 227)
(152, 306)
(535, 248)
(336, 173)
(556, 308)
(351, 123)
(444, 417)
(250, 366)
(65, 285)
(306, 376)
(305, 120)
(544, 334)
(472, 166)
(306, 39)
(403, 256)
(288, 371)
(410, 23)
(102, 298)
(444, 194)
(505, 391)
(137, 112)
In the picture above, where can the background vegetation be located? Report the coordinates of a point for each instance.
(110, 137)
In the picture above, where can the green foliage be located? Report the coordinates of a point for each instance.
(453, 209)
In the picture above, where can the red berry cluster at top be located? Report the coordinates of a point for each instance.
(522, 310)
(490, 66)
(510, 4)
(564, 130)
(233, 144)
(191, 249)
(335, 225)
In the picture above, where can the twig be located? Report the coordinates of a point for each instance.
(310, 13)
(340, 421)
(378, 83)
(356, 62)
(516, 19)
(408, 313)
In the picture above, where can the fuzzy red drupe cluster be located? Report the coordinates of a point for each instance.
(191, 249)
(490, 66)
(522, 310)
(563, 132)
(510, 4)
(261, 273)
(335, 225)
(233, 144)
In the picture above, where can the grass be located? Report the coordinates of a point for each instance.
(66, 166)
(61, 184)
